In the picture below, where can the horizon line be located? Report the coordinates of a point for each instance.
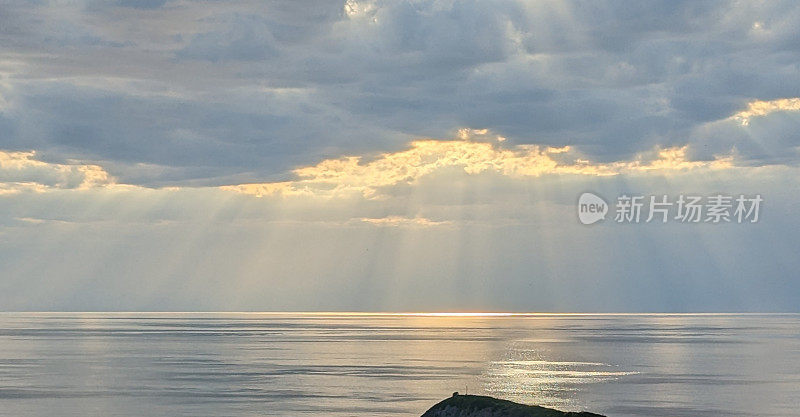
(410, 313)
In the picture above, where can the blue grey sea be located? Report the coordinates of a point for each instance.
(270, 364)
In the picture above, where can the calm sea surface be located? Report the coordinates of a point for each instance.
(154, 364)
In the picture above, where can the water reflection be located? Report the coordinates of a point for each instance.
(333, 364)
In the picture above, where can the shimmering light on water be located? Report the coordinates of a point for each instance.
(246, 364)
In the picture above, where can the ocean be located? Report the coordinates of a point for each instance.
(334, 364)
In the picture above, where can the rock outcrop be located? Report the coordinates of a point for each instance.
(481, 406)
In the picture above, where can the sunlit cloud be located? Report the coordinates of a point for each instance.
(350, 174)
(21, 171)
(17, 187)
(399, 221)
(354, 9)
(760, 108)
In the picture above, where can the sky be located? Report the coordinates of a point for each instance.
(395, 155)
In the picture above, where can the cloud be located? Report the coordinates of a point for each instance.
(345, 175)
(763, 133)
(399, 221)
(142, 4)
(206, 93)
(365, 126)
(245, 38)
(20, 171)
(760, 108)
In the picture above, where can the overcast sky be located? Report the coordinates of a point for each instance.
(394, 155)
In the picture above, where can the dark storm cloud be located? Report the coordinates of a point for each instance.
(241, 89)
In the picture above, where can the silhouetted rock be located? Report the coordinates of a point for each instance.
(481, 406)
